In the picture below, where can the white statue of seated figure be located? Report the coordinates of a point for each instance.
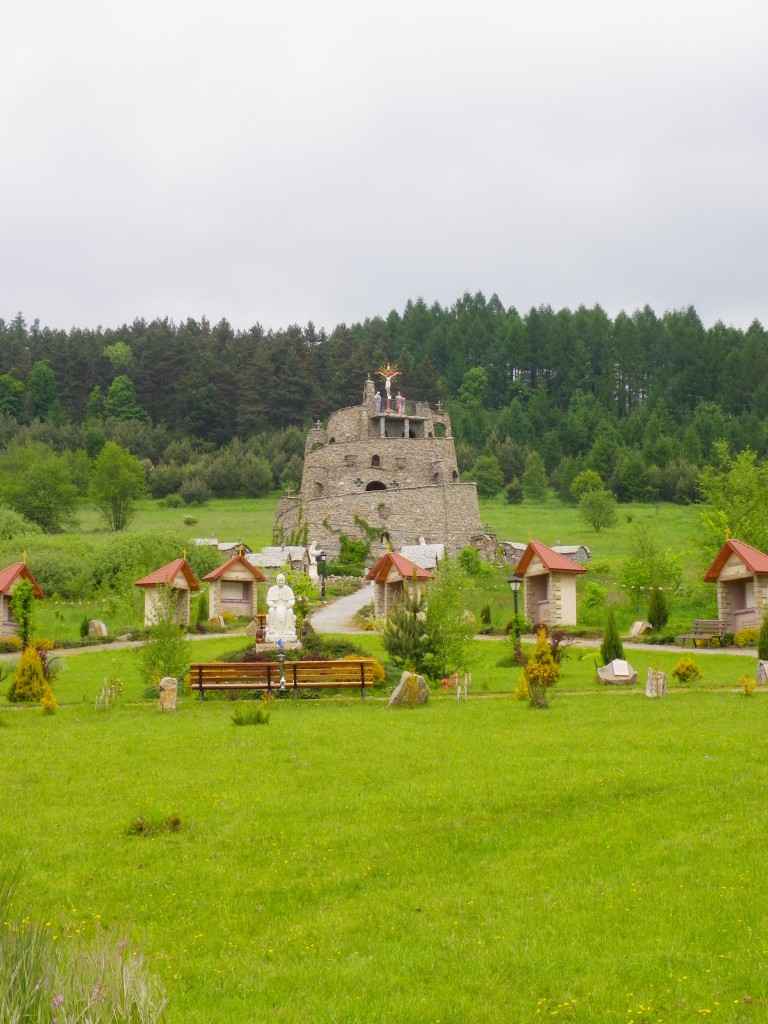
(281, 618)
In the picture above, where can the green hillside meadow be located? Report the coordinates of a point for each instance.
(460, 862)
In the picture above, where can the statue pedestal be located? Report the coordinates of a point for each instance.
(273, 636)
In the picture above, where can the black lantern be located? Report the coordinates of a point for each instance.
(323, 568)
(514, 585)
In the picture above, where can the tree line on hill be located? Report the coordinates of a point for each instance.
(536, 399)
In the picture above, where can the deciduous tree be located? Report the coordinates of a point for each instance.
(118, 481)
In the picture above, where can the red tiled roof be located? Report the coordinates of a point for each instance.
(551, 560)
(9, 576)
(756, 561)
(217, 574)
(407, 569)
(168, 573)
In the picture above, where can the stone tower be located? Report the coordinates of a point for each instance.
(382, 474)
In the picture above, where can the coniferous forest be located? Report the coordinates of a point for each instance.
(641, 399)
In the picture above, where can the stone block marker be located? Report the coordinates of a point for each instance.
(656, 684)
(97, 628)
(169, 688)
(617, 673)
(762, 671)
(403, 694)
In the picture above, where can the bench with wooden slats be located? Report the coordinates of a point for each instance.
(705, 629)
(271, 676)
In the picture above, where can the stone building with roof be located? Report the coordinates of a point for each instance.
(549, 585)
(10, 577)
(233, 588)
(178, 577)
(741, 574)
(392, 575)
(388, 475)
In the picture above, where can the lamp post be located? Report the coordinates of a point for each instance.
(323, 568)
(514, 586)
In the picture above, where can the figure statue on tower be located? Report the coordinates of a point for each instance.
(389, 373)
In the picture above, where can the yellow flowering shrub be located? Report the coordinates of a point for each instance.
(28, 683)
(48, 701)
(685, 670)
(746, 638)
(541, 671)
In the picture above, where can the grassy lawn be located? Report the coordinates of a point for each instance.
(479, 862)
(246, 519)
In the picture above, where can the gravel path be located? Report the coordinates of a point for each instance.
(338, 616)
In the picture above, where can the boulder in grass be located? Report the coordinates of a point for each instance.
(617, 673)
(169, 688)
(762, 671)
(97, 628)
(407, 692)
(656, 683)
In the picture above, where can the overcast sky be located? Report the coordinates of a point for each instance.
(303, 160)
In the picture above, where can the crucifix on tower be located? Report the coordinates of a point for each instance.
(388, 373)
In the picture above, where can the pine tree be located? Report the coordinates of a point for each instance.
(611, 646)
(403, 633)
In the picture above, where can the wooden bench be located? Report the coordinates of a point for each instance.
(271, 676)
(705, 629)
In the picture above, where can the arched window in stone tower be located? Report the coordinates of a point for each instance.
(376, 485)
(375, 462)
(455, 477)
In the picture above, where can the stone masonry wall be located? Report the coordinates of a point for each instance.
(446, 515)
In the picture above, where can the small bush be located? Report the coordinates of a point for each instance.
(746, 638)
(250, 714)
(84, 626)
(685, 670)
(748, 685)
(486, 625)
(28, 683)
(10, 645)
(594, 596)
(379, 673)
(154, 824)
(539, 674)
(189, 520)
(472, 562)
(762, 640)
(48, 702)
(171, 501)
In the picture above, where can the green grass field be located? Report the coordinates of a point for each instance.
(479, 861)
(602, 861)
(673, 527)
(585, 862)
(246, 519)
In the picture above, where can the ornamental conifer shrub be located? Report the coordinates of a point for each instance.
(762, 640)
(658, 609)
(611, 647)
(28, 683)
(540, 672)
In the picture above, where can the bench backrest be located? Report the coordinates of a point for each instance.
(358, 670)
(709, 626)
